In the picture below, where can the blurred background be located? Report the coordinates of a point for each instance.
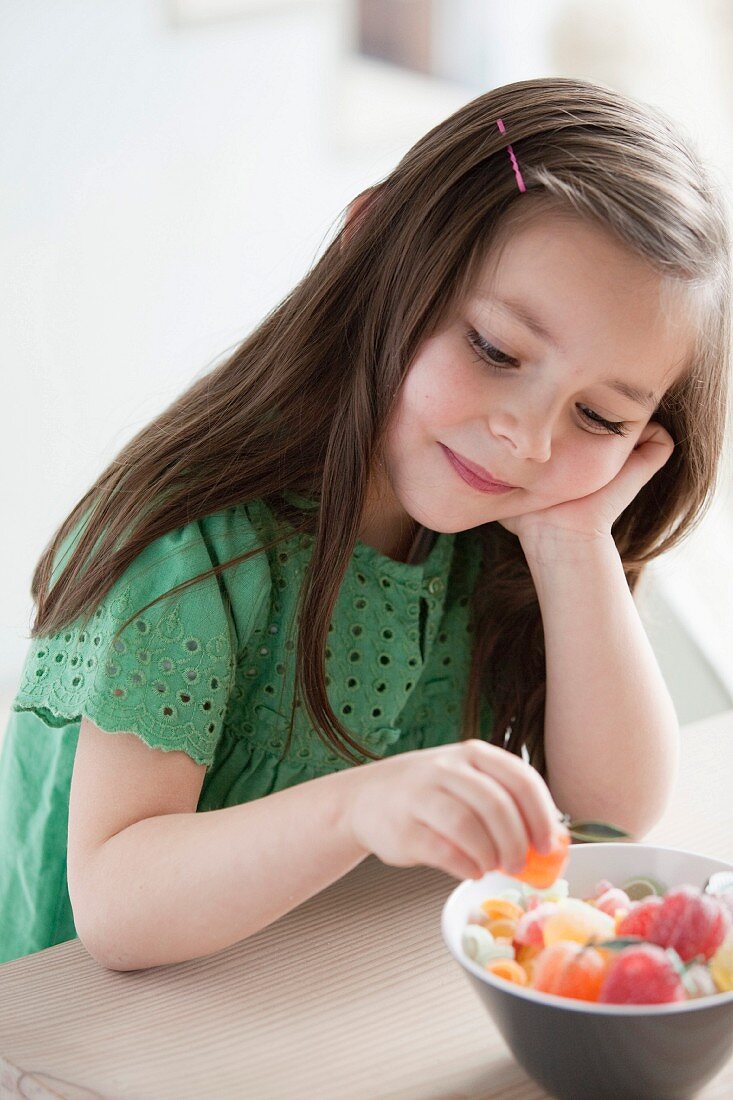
(171, 170)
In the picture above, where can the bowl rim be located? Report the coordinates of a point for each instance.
(570, 1004)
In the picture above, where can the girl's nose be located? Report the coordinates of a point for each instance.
(527, 438)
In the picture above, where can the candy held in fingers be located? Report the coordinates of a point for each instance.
(542, 870)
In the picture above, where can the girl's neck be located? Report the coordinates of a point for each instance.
(396, 544)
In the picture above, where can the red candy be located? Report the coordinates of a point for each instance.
(642, 975)
(637, 920)
(691, 922)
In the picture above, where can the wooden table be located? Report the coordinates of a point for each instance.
(352, 994)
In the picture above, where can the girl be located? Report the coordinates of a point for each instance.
(303, 601)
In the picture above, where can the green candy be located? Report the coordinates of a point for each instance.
(641, 887)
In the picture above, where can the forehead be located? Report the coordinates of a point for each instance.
(603, 305)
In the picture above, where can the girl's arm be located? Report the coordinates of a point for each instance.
(611, 731)
(180, 886)
(176, 886)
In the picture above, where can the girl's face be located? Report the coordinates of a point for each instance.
(549, 417)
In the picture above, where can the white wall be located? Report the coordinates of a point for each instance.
(163, 186)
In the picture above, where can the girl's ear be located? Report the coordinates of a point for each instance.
(356, 209)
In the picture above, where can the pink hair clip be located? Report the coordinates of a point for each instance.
(515, 166)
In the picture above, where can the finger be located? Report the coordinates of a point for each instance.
(434, 850)
(652, 449)
(529, 790)
(456, 821)
(500, 814)
(653, 430)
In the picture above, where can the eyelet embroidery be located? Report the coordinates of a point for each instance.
(121, 690)
(180, 686)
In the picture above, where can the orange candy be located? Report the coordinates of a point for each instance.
(526, 955)
(568, 969)
(508, 969)
(541, 871)
(501, 907)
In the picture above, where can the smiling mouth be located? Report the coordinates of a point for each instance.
(473, 479)
(478, 472)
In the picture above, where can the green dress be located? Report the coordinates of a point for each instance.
(210, 672)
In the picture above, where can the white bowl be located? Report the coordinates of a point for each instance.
(581, 1049)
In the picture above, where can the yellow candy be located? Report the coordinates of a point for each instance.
(501, 907)
(502, 928)
(618, 916)
(721, 965)
(577, 920)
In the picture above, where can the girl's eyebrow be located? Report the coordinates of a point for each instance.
(523, 314)
(641, 397)
(520, 311)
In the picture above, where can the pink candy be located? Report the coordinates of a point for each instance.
(529, 927)
(612, 899)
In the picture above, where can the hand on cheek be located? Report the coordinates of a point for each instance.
(592, 516)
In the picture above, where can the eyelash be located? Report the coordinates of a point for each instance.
(489, 356)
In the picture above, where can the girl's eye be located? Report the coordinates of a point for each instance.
(616, 427)
(488, 352)
(499, 361)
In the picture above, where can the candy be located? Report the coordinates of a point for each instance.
(612, 900)
(501, 907)
(698, 981)
(690, 921)
(642, 887)
(610, 947)
(508, 969)
(532, 896)
(721, 965)
(515, 896)
(576, 920)
(619, 917)
(569, 970)
(530, 926)
(502, 927)
(542, 870)
(637, 920)
(642, 974)
(526, 955)
(479, 944)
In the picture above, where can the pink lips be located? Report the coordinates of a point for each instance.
(476, 475)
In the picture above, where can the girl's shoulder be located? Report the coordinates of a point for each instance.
(149, 660)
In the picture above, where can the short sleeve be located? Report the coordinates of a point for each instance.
(168, 676)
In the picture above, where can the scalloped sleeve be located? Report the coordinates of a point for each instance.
(168, 676)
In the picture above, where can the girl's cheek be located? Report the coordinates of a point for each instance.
(591, 466)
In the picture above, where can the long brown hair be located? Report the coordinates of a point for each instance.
(303, 403)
